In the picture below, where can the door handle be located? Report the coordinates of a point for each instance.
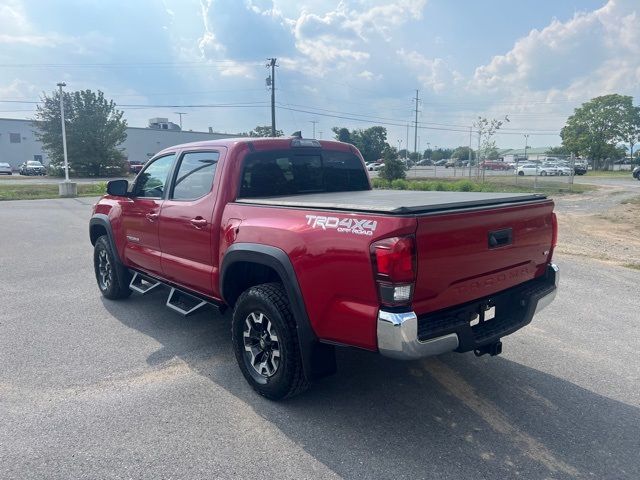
(152, 217)
(198, 222)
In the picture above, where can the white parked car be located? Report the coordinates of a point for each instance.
(374, 167)
(5, 169)
(529, 169)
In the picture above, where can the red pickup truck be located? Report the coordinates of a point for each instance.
(289, 234)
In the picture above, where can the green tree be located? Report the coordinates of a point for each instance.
(437, 155)
(403, 153)
(414, 156)
(371, 142)
(427, 153)
(561, 150)
(491, 152)
(342, 134)
(393, 168)
(630, 128)
(262, 131)
(462, 153)
(94, 129)
(597, 126)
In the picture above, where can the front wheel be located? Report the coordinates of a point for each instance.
(521, 173)
(113, 279)
(265, 342)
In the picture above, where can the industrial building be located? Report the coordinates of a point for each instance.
(18, 142)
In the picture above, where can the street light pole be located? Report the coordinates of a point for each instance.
(64, 133)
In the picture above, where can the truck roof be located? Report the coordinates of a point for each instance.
(259, 143)
(394, 202)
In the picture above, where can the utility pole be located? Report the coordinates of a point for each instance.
(320, 132)
(470, 150)
(526, 141)
(180, 113)
(400, 147)
(415, 136)
(314, 127)
(407, 144)
(271, 81)
(64, 133)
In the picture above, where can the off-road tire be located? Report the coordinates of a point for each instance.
(271, 300)
(117, 287)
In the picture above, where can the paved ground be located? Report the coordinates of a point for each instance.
(91, 388)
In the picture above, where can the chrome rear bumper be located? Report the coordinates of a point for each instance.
(398, 332)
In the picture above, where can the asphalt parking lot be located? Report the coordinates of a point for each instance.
(91, 388)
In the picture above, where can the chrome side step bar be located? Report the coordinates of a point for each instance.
(143, 284)
(183, 303)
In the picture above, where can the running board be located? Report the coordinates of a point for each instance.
(142, 283)
(184, 303)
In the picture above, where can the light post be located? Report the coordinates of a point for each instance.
(66, 188)
(399, 146)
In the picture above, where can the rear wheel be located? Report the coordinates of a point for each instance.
(543, 173)
(112, 277)
(265, 342)
(521, 173)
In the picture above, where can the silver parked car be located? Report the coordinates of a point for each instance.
(5, 169)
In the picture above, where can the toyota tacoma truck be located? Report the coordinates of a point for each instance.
(289, 234)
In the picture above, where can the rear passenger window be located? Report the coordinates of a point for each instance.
(291, 173)
(195, 175)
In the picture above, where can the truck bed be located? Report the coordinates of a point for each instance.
(394, 202)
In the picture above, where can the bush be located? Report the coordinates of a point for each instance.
(393, 168)
(465, 186)
(399, 184)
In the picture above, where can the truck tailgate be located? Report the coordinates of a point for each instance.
(466, 255)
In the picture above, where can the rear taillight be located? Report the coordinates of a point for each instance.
(394, 266)
(554, 225)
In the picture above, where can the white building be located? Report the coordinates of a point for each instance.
(18, 142)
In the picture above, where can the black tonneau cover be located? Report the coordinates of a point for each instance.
(393, 202)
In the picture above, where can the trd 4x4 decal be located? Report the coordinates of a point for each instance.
(345, 225)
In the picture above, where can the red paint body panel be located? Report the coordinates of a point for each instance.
(455, 264)
(333, 269)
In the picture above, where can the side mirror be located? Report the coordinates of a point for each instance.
(118, 188)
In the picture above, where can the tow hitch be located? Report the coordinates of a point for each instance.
(492, 349)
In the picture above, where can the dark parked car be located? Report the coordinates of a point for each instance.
(636, 173)
(32, 167)
(135, 166)
(580, 168)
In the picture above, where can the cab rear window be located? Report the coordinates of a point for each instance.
(266, 174)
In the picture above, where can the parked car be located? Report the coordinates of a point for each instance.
(535, 169)
(32, 167)
(494, 165)
(440, 163)
(563, 169)
(135, 166)
(636, 173)
(308, 257)
(424, 162)
(5, 169)
(548, 169)
(580, 168)
(374, 167)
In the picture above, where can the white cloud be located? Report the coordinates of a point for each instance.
(591, 53)
(434, 74)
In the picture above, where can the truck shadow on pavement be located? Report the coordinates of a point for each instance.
(455, 416)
